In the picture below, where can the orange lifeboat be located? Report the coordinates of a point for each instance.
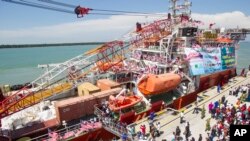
(224, 40)
(121, 102)
(156, 84)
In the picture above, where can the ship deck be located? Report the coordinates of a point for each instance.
(169, 121)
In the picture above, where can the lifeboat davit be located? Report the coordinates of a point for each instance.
(106, 66)
(156, 84)
(121, 102)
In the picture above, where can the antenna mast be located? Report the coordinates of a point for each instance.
(180, 9)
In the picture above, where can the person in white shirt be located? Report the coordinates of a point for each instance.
(158, 126)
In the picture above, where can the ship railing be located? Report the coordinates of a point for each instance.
(5, 133)
(73, 131)
(238, 30)
(56, 71)
(124, 80)
(110, 125)
(151, 48)
(115, 128)
(98, 112)
(60, 133)
(181, 92)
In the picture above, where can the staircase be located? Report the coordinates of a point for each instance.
(110, 126)
(117, 130)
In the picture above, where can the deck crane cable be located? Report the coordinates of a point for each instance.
(32, 4)
(58, 3)
(43, 6)
(103, 10)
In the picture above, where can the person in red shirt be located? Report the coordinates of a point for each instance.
(143, 129)
(243, 107)
(217, 112)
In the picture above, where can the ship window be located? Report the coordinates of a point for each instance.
(189, 32)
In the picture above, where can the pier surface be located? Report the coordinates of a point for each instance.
(169, 122)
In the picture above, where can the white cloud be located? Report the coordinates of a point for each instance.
(105, 29)
(81, 31)
(227, 20)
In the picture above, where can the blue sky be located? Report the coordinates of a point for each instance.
(27, 19)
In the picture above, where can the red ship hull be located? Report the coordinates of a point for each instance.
(206, 82)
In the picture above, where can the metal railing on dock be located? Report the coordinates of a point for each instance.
(111, 125)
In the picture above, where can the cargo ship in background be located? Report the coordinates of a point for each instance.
(161, 64)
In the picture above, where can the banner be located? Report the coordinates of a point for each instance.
(209, 60)
(195, 58)
(228, 57)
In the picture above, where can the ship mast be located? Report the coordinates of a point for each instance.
(180, 9)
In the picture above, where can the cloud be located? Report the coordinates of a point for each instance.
(81, 31)
(106, 29)
(227, 20)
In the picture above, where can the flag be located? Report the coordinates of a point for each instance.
(211, 25)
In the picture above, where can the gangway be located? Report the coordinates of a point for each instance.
(110, 126)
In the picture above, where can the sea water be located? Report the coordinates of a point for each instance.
(19, 65)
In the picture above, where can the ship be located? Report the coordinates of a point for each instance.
(128, 78)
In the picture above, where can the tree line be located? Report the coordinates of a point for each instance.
(48, 45)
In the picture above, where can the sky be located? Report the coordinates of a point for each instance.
(28, 25)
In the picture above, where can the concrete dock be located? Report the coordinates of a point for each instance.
(169, 122)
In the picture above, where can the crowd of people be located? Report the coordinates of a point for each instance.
(187, 133)
(154, 129)
(222, 112)
(226, 113)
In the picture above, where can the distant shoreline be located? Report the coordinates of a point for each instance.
(59, 44)
(48, 45)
